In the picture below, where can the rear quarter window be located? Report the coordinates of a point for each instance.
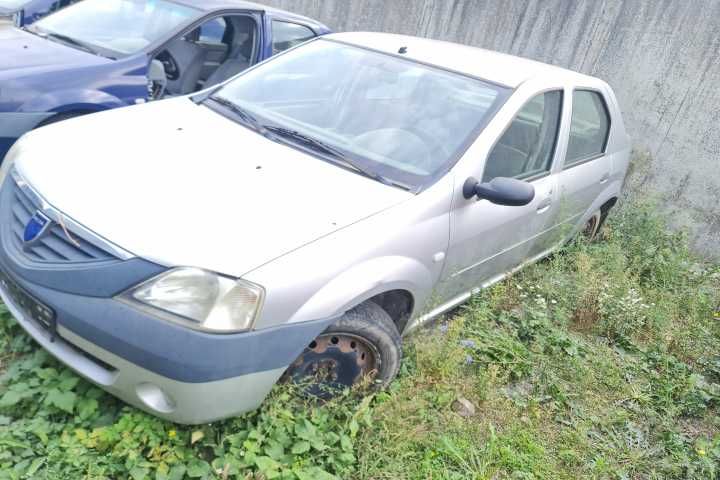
(589, 129)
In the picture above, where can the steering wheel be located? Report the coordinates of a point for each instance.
(172, 70)
(419, 149)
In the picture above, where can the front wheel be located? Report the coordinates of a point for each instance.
(363, 346)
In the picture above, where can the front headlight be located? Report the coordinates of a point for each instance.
(202, 300)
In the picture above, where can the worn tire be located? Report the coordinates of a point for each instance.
(592, 227)
(338, 358)
(370, 322)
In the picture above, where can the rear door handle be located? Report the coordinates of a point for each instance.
(605, 179)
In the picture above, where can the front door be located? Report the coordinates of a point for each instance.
(488, 240)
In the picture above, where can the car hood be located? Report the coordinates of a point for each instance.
(176, 183)
(22, 54)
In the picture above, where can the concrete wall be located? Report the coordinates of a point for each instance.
(661, 56)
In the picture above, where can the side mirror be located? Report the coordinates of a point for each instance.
(508, 192)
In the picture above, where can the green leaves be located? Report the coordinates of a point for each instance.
(65, 401)
(198, 469)
(139, 473)
(16, 394)
(11, 398)
(86, 407)
(55, 425)
(301, 447)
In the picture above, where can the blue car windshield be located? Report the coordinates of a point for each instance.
(12, 4)
(124, 27)
(387, 116)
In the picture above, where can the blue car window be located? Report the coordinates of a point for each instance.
(12, 4)
(213, 31)
(287, 35)
(121, 26)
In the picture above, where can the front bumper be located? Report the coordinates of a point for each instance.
(180, 375)
(186, 403)
(68, 304)
(14, 125)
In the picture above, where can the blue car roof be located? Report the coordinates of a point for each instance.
(214, 5)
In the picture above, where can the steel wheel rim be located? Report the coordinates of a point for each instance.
(334, 362)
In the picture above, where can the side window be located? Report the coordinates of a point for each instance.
(286, 35)
(62, 4)
(589, 129)
(527, 147)
(213, 31)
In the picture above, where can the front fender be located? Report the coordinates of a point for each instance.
(363, 282)
(72, 100)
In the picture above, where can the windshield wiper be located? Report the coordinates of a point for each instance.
(70, 41)
(335, 153)
(246, 117)
(300, 138)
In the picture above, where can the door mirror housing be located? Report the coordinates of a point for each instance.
(508, 192)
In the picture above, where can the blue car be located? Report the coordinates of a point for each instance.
(25, 12)
(101, 54)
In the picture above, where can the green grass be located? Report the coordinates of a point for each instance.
(600, 363)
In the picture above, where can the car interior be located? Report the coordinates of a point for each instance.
(212, 53)
(525, 148)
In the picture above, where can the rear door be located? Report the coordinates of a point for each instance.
(489, 240)
(587, 168)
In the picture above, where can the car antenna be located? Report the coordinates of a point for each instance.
(403, 50)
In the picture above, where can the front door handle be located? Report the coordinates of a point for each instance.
(544, 206)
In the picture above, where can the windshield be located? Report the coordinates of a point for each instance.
(12, 4)
(120, 26)
(401, 120)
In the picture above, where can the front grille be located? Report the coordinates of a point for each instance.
(57, 245)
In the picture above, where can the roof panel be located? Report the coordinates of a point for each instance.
(496, 67)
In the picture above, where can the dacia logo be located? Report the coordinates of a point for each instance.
(36, 228)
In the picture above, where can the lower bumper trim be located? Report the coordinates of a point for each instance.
(179, 402)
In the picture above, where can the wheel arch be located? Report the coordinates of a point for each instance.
(67, 114)
(396, 284)
(399, 304)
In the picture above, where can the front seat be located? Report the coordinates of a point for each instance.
(190, 59)
(238, 61)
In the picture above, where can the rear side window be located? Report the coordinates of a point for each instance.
(287, 35)
(589, 129)
(527, 147)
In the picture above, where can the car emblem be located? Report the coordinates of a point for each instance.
(36, 228)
